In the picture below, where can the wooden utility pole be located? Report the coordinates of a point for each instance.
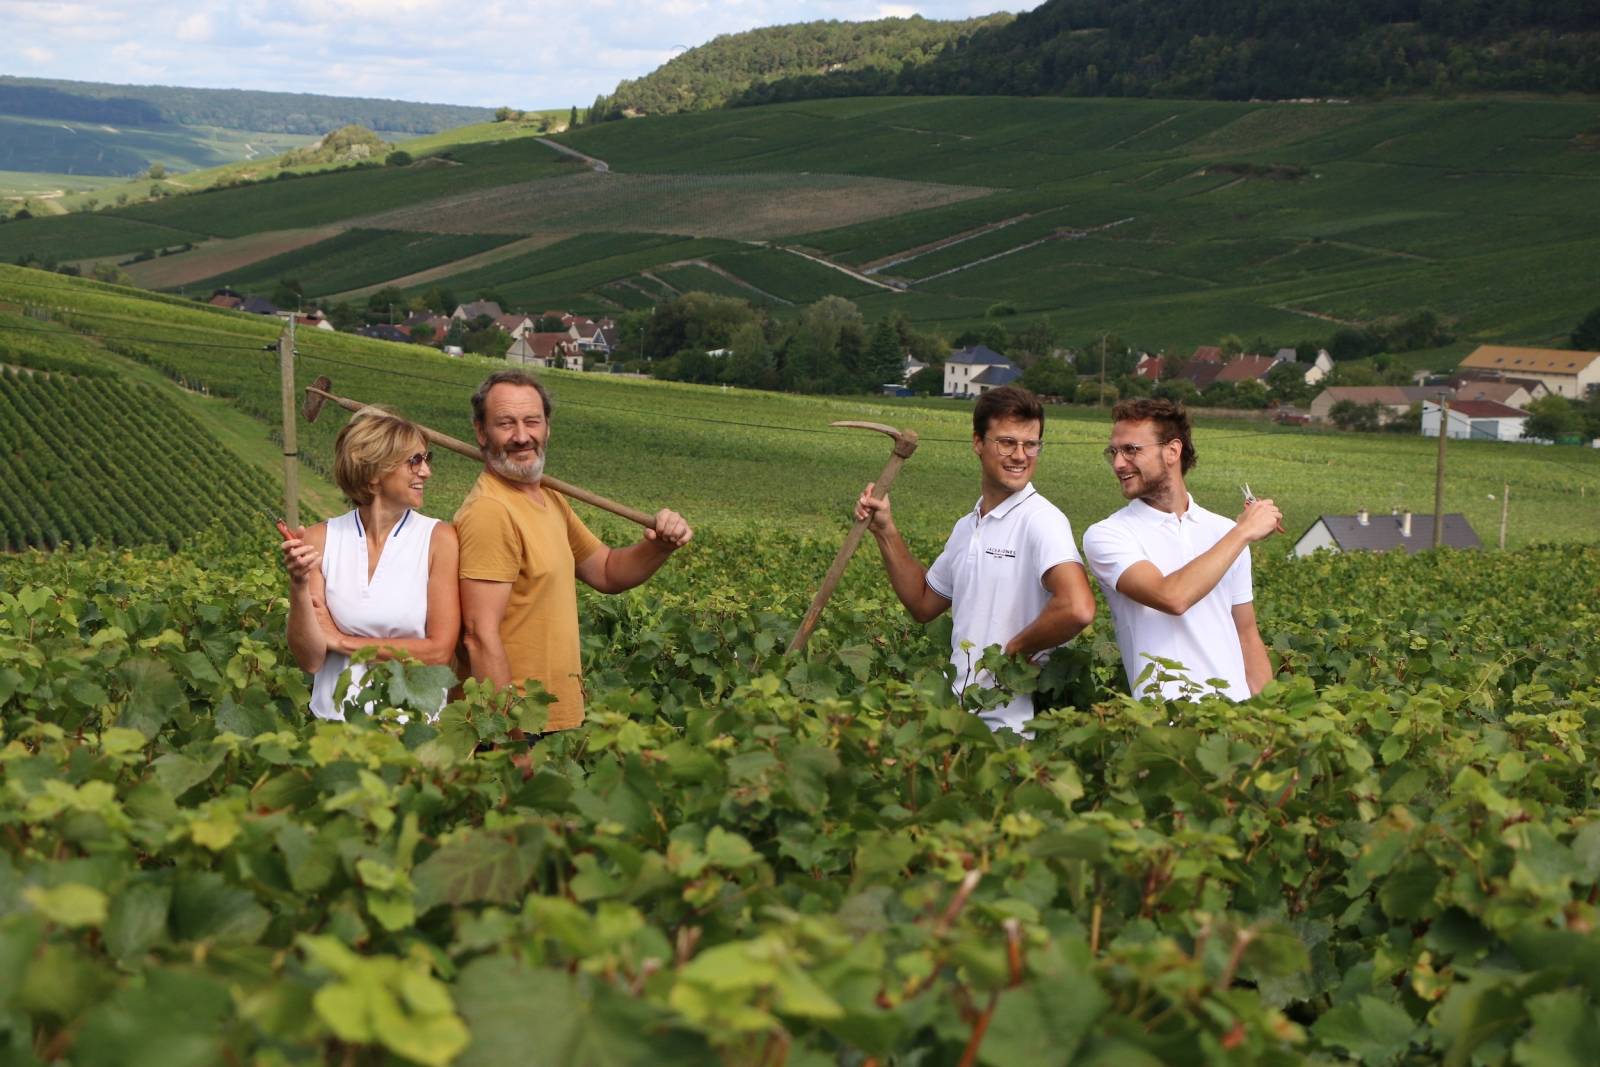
(291, 449)
(1100, 397)
(1438, 476)
(1505, 511)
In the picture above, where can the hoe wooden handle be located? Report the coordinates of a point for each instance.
(455, 444)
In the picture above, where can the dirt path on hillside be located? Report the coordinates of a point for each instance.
(840, 267)
(729, 276)
(894, 259)
(456, 266)
(600, 166)
(1063, 234)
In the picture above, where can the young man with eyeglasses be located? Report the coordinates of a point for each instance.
(1010, 569)
(523, 551)
(1176, 576)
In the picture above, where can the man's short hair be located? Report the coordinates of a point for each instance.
(1006, 402)
(480, 399)
(1170, 418)
(374, 442)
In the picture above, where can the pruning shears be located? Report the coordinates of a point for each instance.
(1250, 498)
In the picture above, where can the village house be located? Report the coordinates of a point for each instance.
(1392, 400)
(1567, 373)
(909, 366)
(468, 312)
(515, 324)
(1513, 392)
(314, 320)
(1246, 369)
(1479, 420)
(1151, 368)
(1400, 529)
(966, 365)
(545, 350)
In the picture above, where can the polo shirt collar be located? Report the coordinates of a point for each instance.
(1004, 508)
(1143, 512)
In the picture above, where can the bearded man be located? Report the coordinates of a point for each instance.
(523, 552)
(1176, 576)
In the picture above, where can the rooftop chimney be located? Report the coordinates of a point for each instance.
(1361, 517)
(1405, 524)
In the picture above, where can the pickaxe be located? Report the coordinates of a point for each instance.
(317, 393)
(905, 443)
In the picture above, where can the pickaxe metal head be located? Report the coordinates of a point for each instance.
(905, 441)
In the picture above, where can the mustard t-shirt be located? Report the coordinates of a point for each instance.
(508, 537)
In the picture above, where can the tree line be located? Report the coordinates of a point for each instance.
(1206, 49)
(732, 66)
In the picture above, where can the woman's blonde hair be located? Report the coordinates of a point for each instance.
(375, 441)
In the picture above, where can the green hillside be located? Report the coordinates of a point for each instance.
(732, 458)
(1170, 223)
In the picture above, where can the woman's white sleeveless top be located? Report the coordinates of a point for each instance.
(394, 603)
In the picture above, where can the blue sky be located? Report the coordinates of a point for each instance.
(529, 54)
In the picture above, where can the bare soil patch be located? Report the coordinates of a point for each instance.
(737, 206)
(211, 258)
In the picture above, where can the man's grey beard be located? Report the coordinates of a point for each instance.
(508, 468)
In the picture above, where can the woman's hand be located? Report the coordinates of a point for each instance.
(300, 558)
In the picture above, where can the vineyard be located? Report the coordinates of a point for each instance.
(746, 857)
(1392, 855)
(95, 460)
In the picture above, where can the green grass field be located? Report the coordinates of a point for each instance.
(734, 460)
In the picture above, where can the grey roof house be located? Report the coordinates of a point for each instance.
(1363, 532)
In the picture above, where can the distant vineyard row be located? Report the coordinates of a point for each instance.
(99, 461)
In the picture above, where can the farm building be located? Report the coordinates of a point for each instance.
(1392, 400)
(1480, 420)
(965, 364)
(515, 325)
(1570, 374)
(1151, 368)
(910, 366)
(1363, 533)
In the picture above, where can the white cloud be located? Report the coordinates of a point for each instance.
(34, 54)
(196, 27)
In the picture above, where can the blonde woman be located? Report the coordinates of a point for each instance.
(380, 576)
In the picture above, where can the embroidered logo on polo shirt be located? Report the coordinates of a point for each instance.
(1001, 553)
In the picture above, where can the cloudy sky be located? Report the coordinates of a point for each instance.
(537, 53)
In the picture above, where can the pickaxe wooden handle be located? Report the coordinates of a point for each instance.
(317, 392)
(905, 443)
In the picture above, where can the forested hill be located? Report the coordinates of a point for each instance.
(1216, 49)
(735, 66)
(232, 109)
(1275, 49)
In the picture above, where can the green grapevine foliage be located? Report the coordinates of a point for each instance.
(1392, 855)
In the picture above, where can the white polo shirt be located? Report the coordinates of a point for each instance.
(1204, 638)
(992, 572)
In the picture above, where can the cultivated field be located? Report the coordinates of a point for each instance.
(221, 256)
(747, 856)
(1169, 223)
(1389, 853)
(735, 206)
